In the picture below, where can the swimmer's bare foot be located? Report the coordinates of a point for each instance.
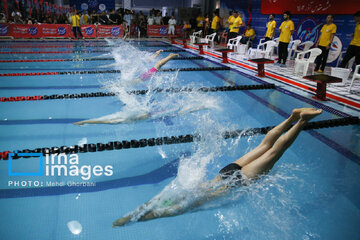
(173, 55)
(121, 221)
(309, 114)
(297, 111)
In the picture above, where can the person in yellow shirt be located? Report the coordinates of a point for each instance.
(324, 43)
(270, 28)
(75, 22)
(215, 25)
(234, 25)
(200, 20)
(187, 29)
(354, 47)
(286, 30)
(248, 36)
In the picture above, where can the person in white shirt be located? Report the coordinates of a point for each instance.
(172, 23)
(150, 20)
(158, 19)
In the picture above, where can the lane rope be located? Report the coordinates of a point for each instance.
(94, 51)
(137, 92)
(108, 71)
(150, 142)
(83, 59)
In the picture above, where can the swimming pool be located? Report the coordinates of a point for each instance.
(312, 192)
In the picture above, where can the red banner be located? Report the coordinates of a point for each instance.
(25, 31)
(104, 31)
(58, 30)
(310, 6)
(55, 30)
(162, 30)
(88, 31)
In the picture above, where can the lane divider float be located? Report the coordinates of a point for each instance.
(108, 71)
(150, 142)
(138, 92)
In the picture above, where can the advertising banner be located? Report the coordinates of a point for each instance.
(88, 31)
(162, 30)
(55, 30)
(113, 31)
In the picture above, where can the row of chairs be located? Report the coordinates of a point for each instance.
(300, 51)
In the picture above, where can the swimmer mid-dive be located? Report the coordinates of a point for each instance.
(251, 166)
(155, 55)
(128, 117)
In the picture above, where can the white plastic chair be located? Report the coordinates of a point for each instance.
(261, 52)
(305, 46)
(194, 36)
(293, 45)
(302, 62)
(209, 39)
(233, 43)
(356, 75)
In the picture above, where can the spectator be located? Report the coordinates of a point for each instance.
(103, 19)
(75, 21)
(166, 19)
(324, 43)
(234, 25)
(207, 25)
(248, 36)
(17, 19)
(29, 21)
(158, 19)
(354, 47)
(128, 17)
(215, 25)
(172, 24)
(187, 29)
(271, 25)
(2, 18)
(94, 17)
(200, 22)
(151, 20)
(113, 17)
(286, 30)
(84, 18)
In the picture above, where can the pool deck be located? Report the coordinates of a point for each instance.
(339, 96)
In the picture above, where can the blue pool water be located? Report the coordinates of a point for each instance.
(311, 193)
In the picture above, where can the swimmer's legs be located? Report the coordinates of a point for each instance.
(265, 162)
(163, 61)
(270, 138)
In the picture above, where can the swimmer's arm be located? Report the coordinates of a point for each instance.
(98, 122)
(157, 53)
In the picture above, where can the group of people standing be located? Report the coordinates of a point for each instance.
(287, 28)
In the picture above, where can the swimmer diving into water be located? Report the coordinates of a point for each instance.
(252, 165)
(155, 55)
(128, 117)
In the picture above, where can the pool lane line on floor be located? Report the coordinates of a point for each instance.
(168, 140)
(109, 71)
(158, 175)
(137, 92)
(85, 60)
(338, 99)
